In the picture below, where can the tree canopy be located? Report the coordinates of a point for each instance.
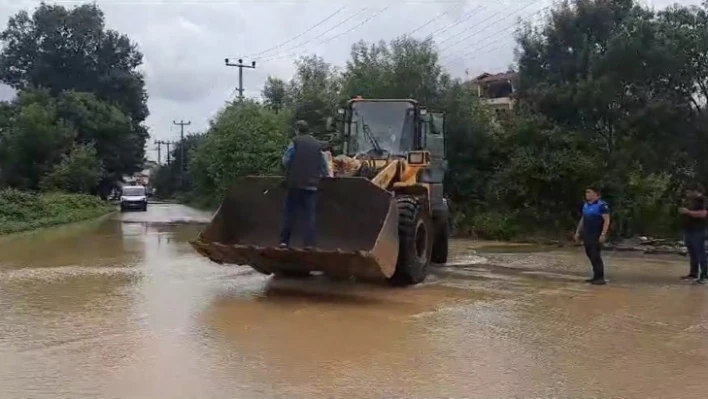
(78, 87)
(609, 93)
(243, 139)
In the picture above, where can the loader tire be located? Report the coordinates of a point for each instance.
(440, 245)
(415, 243)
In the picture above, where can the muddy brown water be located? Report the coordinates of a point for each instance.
(123, 308)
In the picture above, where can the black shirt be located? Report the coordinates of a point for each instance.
(307, 165)
(689, 222)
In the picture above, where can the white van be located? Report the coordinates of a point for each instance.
(133, 197)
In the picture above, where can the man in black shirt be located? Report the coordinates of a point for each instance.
(693, 221)
(305, 165)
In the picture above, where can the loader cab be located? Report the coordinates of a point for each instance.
(383, 128)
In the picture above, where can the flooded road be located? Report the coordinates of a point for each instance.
(123, 308)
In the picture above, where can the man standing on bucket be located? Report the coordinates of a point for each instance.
(693, 221)
(305, 165)
(592, 229)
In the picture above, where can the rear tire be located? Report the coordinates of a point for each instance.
(415, 243)
(440, 246)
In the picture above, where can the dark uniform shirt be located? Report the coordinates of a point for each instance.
(688, 222)
(593, 222)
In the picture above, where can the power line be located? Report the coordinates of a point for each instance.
(301, 34)
(476, 50)
(428, 23)
(337, 36)
(622, 31)
(456, 22)
(494, 41)
(320, 35)
(464, 30)
(497, 21)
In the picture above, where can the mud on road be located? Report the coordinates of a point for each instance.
(124, 308)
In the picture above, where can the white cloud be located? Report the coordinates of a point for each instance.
(185, 42)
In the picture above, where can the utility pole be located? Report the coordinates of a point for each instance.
(168, 143)
(181, 125)
(240, 67)
(159, 144)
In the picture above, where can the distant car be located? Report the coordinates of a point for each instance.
(133, 197)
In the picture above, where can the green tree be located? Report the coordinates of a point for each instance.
(606, 68)
(404, 68)
(61, 49)
(118, 146)
(243, 139)
(619, 82)
(33, 140)
(686, 28)
(472, 145)
(277, 94)
(79, 171)
(70, 49)
(313, 93)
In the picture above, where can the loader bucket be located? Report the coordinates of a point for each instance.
(357, 229)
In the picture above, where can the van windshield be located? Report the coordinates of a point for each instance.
(134, 191)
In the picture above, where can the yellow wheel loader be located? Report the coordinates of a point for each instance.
(381, 217)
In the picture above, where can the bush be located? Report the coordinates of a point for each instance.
(244, 139)
(645, 205)
(489, 225)
(21, 211)
(18, 205)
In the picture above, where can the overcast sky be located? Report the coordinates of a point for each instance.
(185, 42)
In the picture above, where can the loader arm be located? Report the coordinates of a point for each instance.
(387, 175)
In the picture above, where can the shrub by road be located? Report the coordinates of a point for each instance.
(20, 211)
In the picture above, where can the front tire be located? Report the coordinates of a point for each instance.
(415, 243)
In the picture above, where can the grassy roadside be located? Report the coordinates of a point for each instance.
(23, 211)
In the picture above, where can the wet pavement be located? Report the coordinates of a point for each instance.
(123, 308)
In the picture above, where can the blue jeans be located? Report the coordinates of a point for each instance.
(295, 199)
(696, 244)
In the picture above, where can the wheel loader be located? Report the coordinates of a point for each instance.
(382, 216)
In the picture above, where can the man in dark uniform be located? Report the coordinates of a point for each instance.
(305, 165)
(693, 221)
(592, 229)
